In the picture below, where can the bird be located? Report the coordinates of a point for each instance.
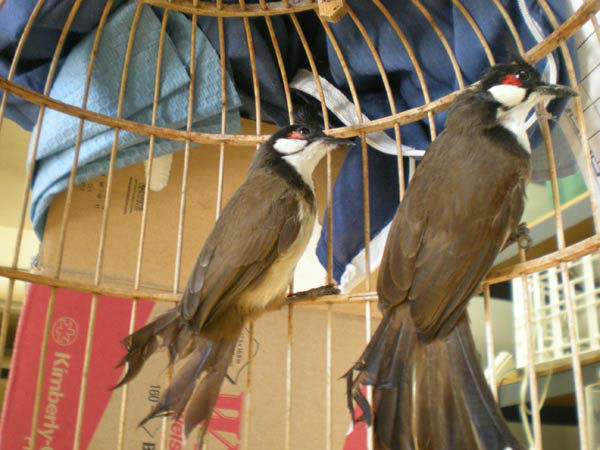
(462, 207)
(244, 269)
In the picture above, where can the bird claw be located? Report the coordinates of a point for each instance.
(328, 289)
(521, 235)
(525, 242)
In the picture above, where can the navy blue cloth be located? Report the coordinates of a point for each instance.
(272, 95)
(348, 222)
(34, 64)
(348, 231)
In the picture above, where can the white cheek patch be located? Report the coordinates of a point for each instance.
(305, 162)
(287, 146)
(508, 94)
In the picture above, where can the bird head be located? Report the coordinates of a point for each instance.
(303, 145)
(519, 85)
(299, 138)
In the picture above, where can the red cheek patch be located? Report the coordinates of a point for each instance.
(511, 79)
(295, 135)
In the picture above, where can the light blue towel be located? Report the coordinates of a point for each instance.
(59, 131)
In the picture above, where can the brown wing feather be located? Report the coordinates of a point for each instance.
(440, 250)
(241, 246)
(397, 266)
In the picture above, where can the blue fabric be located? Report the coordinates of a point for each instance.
(272, 94)
(59, 131)
(383, 202)
(34, 64)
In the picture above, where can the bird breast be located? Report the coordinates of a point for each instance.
(272, 288)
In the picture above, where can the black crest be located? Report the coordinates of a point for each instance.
(307, 111)
(512, 51)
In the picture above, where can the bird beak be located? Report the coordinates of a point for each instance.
(339, 142)
(555, 90)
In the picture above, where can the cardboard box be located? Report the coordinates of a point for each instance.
(70, 325)
(63, 368)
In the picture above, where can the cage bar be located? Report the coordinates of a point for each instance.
(280, 64)
(533, 386)
(328, 381)
(29, 177)
(476, 30)
(288, 379)
(18, 52)
(248, 394)
(590, 301)
(125, 388)
(557, 313)
(37, 400)
(85, 372)
(186, 149)
(489, 340)
(538, 319)
(560, 238)
(411, 55)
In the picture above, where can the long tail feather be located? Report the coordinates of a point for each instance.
(206, 393)
(145, 341)
(190, 391)
(427, 395)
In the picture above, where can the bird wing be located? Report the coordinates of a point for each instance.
(448, 231)
(259, 223)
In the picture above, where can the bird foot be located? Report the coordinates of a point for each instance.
(328, 289)
(521, 235)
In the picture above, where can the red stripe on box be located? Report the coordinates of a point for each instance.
(112, 325)
(357, 439)
(64, 365)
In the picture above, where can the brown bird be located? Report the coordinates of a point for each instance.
(463, 206)
(244, 269)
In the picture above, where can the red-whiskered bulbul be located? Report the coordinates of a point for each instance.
(244, 268)
(462, 207)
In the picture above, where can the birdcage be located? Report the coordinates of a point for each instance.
(122, 215)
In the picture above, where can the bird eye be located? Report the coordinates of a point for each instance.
(300, 133)
(522, 75)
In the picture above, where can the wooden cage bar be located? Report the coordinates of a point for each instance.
(475, 28)
(584, 437)
(18, 52)
(410, 52)
(25, 201)
(11, 73)
(531, 372)
(489, 341)
(563, 32)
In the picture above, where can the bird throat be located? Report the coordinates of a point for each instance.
(513, 120)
